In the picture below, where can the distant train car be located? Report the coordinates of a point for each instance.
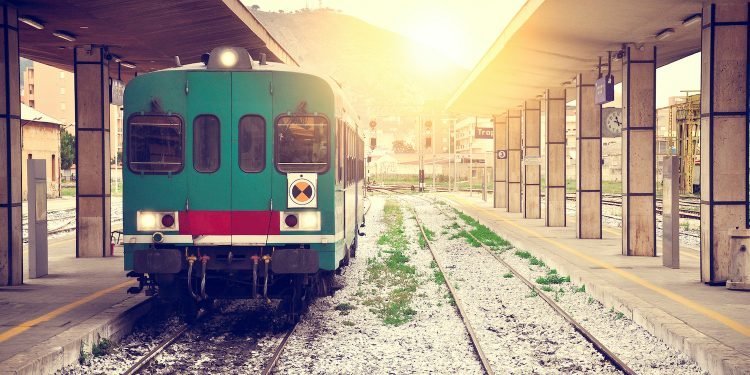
(243, 179)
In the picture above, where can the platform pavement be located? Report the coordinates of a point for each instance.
(710, 323)
(46, 321)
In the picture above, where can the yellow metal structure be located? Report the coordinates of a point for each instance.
(684, 127)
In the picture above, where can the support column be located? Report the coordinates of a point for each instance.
(11, 245)
(639, 151)
(92, 151)
(589, 159)
(724, 137)
(532, 155)
(514, 160)
(555, 171)
(501, 161)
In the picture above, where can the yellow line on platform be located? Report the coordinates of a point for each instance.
(23, 327)
(712, 314)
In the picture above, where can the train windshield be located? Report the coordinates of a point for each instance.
(302, 143)
(155, 144)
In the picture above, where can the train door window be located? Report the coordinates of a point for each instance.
(155, 144)
(252, 143)
(301, 143)
(347, 172)
(339, 151)
(206, 143)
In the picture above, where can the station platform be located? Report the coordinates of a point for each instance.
(48, 321)
(709, 323)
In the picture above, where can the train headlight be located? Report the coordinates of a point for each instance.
(300, 220)
(228, 58)
(147, 221)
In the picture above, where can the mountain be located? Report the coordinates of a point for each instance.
(382, 72)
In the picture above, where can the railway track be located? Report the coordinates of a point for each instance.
(145, 361)
(601, 348)
(459, 304)
(689, 206)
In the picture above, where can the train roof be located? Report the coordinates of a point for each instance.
(273, 67)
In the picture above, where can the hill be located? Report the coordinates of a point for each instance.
(380, 70)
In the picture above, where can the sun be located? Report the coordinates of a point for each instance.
(437, 37)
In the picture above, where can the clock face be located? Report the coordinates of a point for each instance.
(614, 122)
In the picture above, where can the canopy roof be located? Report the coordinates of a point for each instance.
(550, 41)
(147, 33)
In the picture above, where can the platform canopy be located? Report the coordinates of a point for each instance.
(550, 41)
(147, 33)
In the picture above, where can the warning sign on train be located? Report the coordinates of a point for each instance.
(302, 190)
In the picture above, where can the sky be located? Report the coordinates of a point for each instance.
(465, 32)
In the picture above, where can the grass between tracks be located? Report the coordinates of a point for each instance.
(390, 270)
(489, 238)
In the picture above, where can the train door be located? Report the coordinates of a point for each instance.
(207, 164)
(255, 215)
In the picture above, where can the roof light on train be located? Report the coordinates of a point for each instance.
(228, 58)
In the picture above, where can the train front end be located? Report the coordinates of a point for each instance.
(229, 180)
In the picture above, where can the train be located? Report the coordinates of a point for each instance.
(243, 179)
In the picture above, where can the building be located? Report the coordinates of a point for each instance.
(472, 153)
(40, 139)
(51, 91)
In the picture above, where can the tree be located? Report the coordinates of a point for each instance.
(117, 158)
(67, 149)
(255, 7)
(401, 147)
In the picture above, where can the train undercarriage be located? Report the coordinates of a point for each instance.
(192, 278)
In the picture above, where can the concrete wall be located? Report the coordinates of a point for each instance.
(42, 141)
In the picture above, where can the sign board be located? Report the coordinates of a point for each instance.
(468, 161)
(484, 133)
(502, 154)
(116, 91)
(604, 89)
(302, 189)
(532, 160)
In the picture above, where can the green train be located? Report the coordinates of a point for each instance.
(244, 179)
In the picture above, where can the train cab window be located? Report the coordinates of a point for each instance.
(206, 143)
(302, 143)
(252, 143)
(155, 144)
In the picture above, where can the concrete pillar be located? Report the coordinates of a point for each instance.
(589, 159)
(92, 151)
(555, 165)
(501, 161)
(11, 245)
(639, 151)
(514, 160)
(532, 155)
(724, 108)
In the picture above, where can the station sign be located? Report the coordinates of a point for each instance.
(484, 133)
(116, 91)
(604, 89)
(532, 160)
(471, 161)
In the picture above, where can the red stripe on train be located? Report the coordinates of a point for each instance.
(200, 223)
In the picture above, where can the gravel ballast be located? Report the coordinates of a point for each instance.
(357, 341)
(638, 348)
